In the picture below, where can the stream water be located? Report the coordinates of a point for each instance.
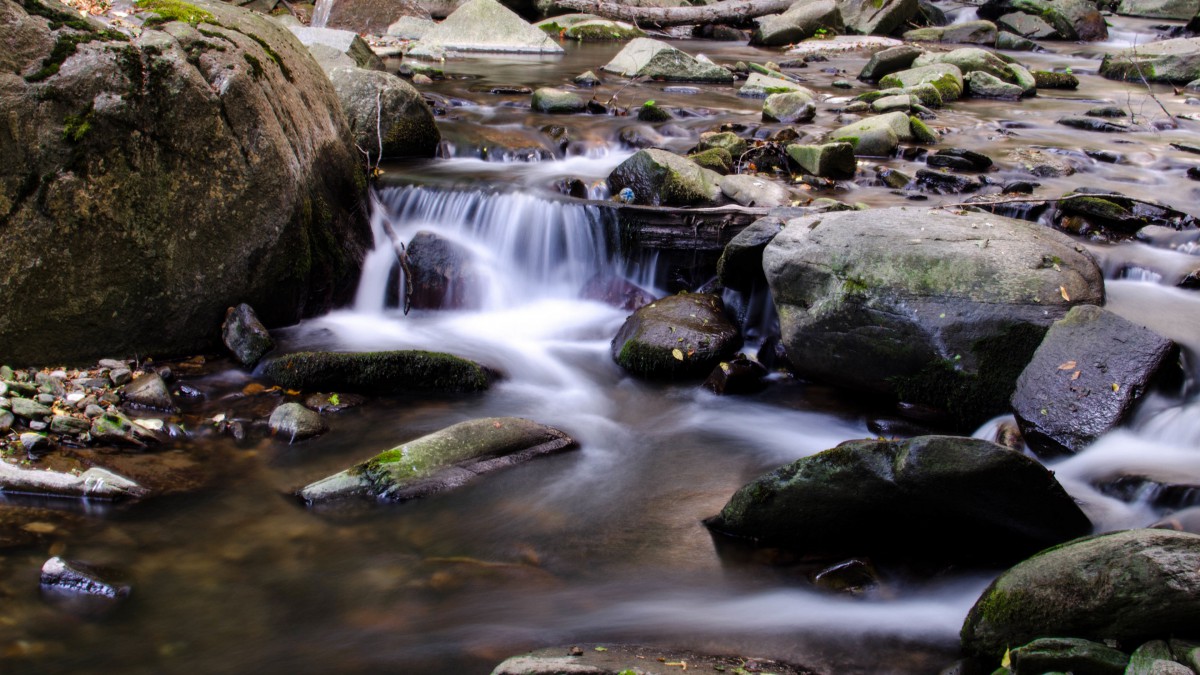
(603, 543)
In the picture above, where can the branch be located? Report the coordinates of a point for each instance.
(1138, 66)
(726, 11)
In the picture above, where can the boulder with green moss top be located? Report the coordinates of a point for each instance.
(714, 159)
(555, 25)
(801, 21)
(484, 26)
(394, 372)
(922, 133)
(726, 140)
(602, 30)
(233, 101)
(986, 85)
(441, 461)
(662, 178)
(945, 77)
(760, 86)
(1176, 61)
(981, 32)
(968, 60)
(940, 309)
(755, 190)
(677, 337)
(386, 114)
(1127, 587)
(1046, 79)
(1179, 10)
(876, 136)
(876, 17)
(657, 60)
(829, 160)
(94, 483)
(1070, 19)
(1067, 655)
(557, 101)
(990, 504)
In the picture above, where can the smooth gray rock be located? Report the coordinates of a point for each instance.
(1026, 25)
(749, 190)
(789, 107)
(245, 336)
(1179, 10)
(7, 419)
(876, 17)
(410, 27)
(34, 443)
(761, 86)
(968, 60)
(676, 337)
(740, 265)
(981, 32)
(293, 422)
(888, 61)
(830, 160)
(345, 42)
(95, 483)
(373, 17)
(442, 274)
(658, 60)
(986, 85)
(800, 22)
(66, 424)
(1176, 61)
(27, 408)
(484, 26)
(945, 77)
(557, 101)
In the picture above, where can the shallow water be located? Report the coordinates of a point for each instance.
(603, 543)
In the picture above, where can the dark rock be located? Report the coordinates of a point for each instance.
(34, 444)
(876, 17)
(740, 265)
(1107, 111)
(441, 274)
(680, 336)
(739, 375)
(1040, 163)
(588, 79)
(1163, 490)
(80, 588)
(1093, 124)
(1070, 19)
(945, 183)
(888, 61)
(1114, 216)
(148, 391)
(29, 409)
(70, 426)
(801, 21)
(661, 178)
(991, 504)
(393, 372)
(372, 17)
(1015, 43)
(1065, 655)
(386, 114)
(651, 112)
(1155, 658)
(657, 60)
(1090, 370)
(293, 422)
(959, 159)
(853, 577)
(1050, 80)
(441, 461)
(616, 292)
(114, 428)
(245, 336)
(120, 376)
(613, 659)
(1127, 586)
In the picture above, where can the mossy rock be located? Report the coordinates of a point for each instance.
(394, 372)
(1051, 80)
(659, 177)
(677, 337)
(602, 30)
(945, 77)
(714, 159)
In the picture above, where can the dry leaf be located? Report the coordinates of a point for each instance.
(1075, 376)
(1063, 291)
(677, 354)
(1069, 365)
(1116, 387)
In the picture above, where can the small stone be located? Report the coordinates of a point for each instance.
(589, 79)
(93, 411)
(294, 422)
(80, 587)
(6, 421)
(1093, 124)
(843, 84)
(245, 336)
(959, 159)
(29, 409)
(149, 391)
(1051, 80)
(113, 364)
(34, 443)
(68, 425)
(421, 79)
(557, 101)
(739, 375)
(120, 376)
(45, 399)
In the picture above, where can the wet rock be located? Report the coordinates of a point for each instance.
(876, 136)
(615, 292)
(968, 60)
(557, 101)
(897, 180)
(69, 426)
(940, 309)
(409, 27)
(652, 112)
(148, 391)
(386, 114)
(1026, 25)
(876, 17)
(24, 526)
(1112, 216)
(120, 376)
(985, 85)
(749, 190)
(1014, 43)
(759, 85)
(662, 178)
(245, 336)
(1174, 61)
(740, 265)
(34, 444)
(800, 22)
(487, 26)
(6, 420)
(613, 659)
(114, 428)
(1179, 10)
(392, 372)
(830, 160)
(1046, 655)
(441, 273)
(945, 183)
(714, 159)
(1093, 124)
(853, 577)
(946, 77)
(1070, 19)
(726, 140)
(959, 159)
(880, 497)
(887, 104)
(1155, 658)
(333, 403)
(789, 107)
(602, 30)
(658, 60)
(1040, 163)
(293, 422)
(1128, 586)
(29, 409)
(981, 32)
(680, 336)
(1052, 80)
(94, 483)
(888, 61)
(588, 79)
(333, 48)
(441, 461)
(739, 375)
(80, 588)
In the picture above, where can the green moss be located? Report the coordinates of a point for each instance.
(75, 127)
(378, 372)
(175, 10)
(272, 54)
(58, 17)
(1097, 207)
(714, 159)
(256, 68)
(921, 131)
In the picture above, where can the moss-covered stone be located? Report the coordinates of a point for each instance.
(921, 132)
(176, 10)
(395, 372)
(659, 177)
(680, 336)
(1067, 655)
(602, 30)
(1051, 80)
(714, 159)
(945, 77)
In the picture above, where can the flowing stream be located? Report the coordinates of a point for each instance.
(603, 543)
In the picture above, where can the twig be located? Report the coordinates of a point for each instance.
(1149, 91)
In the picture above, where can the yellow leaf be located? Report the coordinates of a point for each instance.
(677, 354)
(1116, 387)
(1069, 365)
(1006, 662)
(1063, 290)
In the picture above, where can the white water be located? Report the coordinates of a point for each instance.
(320, 14)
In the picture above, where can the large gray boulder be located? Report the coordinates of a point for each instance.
(888, 61)
(740, 264)
(442, 274)
(657, 60)
(876, 17)
(441, 461)
(1127, 586)
(395, 372)
(1070, 19)
(386, 114)
(107, 140)
(372, 17)
(662, 178)
(679, 336)
(935, 498)
(800, 22)
(484, 26)
(926, 305)
(1176, 61)
(1090, 370)
(1180, 10)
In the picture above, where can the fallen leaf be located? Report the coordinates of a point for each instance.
(253, 388)
(1116, 387)
(1069, 365)
(1075, 376)
(1063, 291)
(601, 649)
(677, 354)
(497, 425)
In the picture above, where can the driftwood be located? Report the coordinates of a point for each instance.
(726, 11)
(667, 228)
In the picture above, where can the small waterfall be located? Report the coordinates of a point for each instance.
(320, 15)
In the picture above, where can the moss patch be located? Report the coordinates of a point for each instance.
(392, 372)
(175, 10)
(66, 45)
(272, 54)
(76, 127)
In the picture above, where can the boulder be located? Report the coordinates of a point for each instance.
(883, 498)
(557, 101)
(1090, 370)
(735, 145)
(373, 17)
(876, 136)
(662, 178)
(148, 391)
(657, 60)
(1070, 19)
(740, 264)
(981, 32)
(602, 30)
(1179, 10)
(986, 85)
(789, 107)
(394, 372)
(1176, 61)
(441, 274)
(484, 26)
(29, 409)
(1067, 655)
(945, 77)
(333, 48)
(245, 336)
(800, 22)
(94, 483)
(109, 137)
(968, 60)
(386, 114)
(714, 159)
(935, 308)
(441, 461)
(897, 103)
(410, 28)
(679, 336)
(1026, 25)
(888, 61)
(1126, 586)
(293, 422)
(751, 190)
(876, 17)
(830, 160)
(760, 86)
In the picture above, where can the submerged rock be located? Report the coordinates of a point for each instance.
(989, 503)
(334, 48)
(616, 292)
(79, 587)
(1127, 586)
(986, 85)
(245, 336)
(738, 375)
(441, 461)
(680, 336)
(657, 60)
(602, 30)
(662, 178)
(394, 372)
(441, 274)
(484, 26)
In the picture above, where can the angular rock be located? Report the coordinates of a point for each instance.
(739, 375)
(148, 391)
(725, 140)
(831, 160)
(1090, 370)
(410, 27)
(484, 26)
(740, 264)
(1070, 19)
(800, 22)
(986, 85)
(557, 101)
(7, 419)
(293, 422)
(940, 309)
(441, 274)
(875, 136)
(1093, 124)
(1179, 10)
(1064, 655)
(34, 443)
(680, 336)
(95, 483)
(1026, 25)
(1127, 586)
(657, 60)
(327, 44)
(245, 336)
(761, 86)
(662, 178)
(393, 372)
(876, 17)
(1174, 61)
(386, 114)
(789, 107)
(944, 183)
(750, 190)
(888, 61)
(981, 32)
(80, 588)
(441, 461)
(615, 659)
(946, 77)
(1014, 43)
(968, 60)
(29, 409)
(373, 17)
(68, 425)
(959, 159)
(714, 159)
(875, 497)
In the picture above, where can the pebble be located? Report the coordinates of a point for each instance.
(93, 411)
(681, 90)
(6, 421)
(843, 84)
(120, 376)
(45, 399)
(112, 364)
(421, 79)
(33, 443)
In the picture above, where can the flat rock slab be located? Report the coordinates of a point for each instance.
(844, 44)
(441, 461)
(610, 659)
(393, 372)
